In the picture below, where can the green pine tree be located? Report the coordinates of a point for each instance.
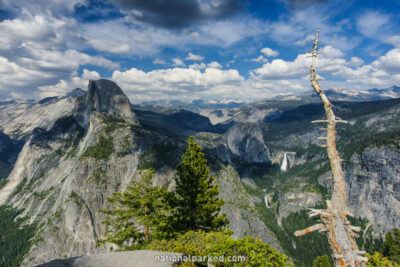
(391, 247)
(322, 261)
(139, 215)
(196, 204)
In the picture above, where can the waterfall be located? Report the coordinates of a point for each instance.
(266, 201)
(284, 165)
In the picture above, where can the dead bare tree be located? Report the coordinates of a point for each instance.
(341, 235)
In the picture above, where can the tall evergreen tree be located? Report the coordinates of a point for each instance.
(196, 202)
(139, 214)
(391, 247)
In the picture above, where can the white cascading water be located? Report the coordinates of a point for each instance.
(284, 164)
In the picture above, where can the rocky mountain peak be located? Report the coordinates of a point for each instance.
(77, 92)
(103, 96)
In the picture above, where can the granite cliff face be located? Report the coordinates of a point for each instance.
(373, 181)
(103, 96)
(243, 143)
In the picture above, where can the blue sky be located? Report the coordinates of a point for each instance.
(196, 49)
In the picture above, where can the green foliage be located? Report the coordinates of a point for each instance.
(322, 261)
(378, 260)
(138, 214)
(101, 150)
(252, 251)
(15, 237)
(391, 247)
(158, 156)
(195, 197)
(298, 248)
(77, 199)
(367, 240)
(113, 123)
(358, 143)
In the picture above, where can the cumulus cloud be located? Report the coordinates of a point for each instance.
(159, 61)
(194, 57)
(269, 52)
(108, 45)
(178, 13)
(394, 40)
(33, 50)
(178, 63)
(174, 82)
(329, 61)
(64, 86)
(260, 59)
(356, 61)
(197, 66)
(214, 65)
(383, 72)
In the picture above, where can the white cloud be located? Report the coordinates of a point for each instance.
(307, 40)
(178, 63)
(331, 52)
(259, 59)
(300, 26)
(194, 57)
(14, 76)
(329, 61)
(159, 61)
(269, 52)
(356, 61)
(63, 86)
(171, 83)
(394, 40)
(90, 75)
(107, 45)
(230, 62)
(35, 31)
(214, 65)
(372, 23)
(197, 66)
(35, 50)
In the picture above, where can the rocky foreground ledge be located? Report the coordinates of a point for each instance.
(137, 258)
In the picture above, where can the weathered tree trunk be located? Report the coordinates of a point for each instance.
(340, 233)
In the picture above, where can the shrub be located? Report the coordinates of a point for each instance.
(378, 260)
(322, 261)
(219, 244)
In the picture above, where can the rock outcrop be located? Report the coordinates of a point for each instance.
(103, 96)
(242, 144)
(373, 182)
(138, 258)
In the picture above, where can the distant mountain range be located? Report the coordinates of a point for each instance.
(334, 93)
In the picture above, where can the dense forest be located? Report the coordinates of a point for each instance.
(15, 237)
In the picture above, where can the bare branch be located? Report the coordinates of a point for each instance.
(320, 121)
(355, 228)
(316, 227)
